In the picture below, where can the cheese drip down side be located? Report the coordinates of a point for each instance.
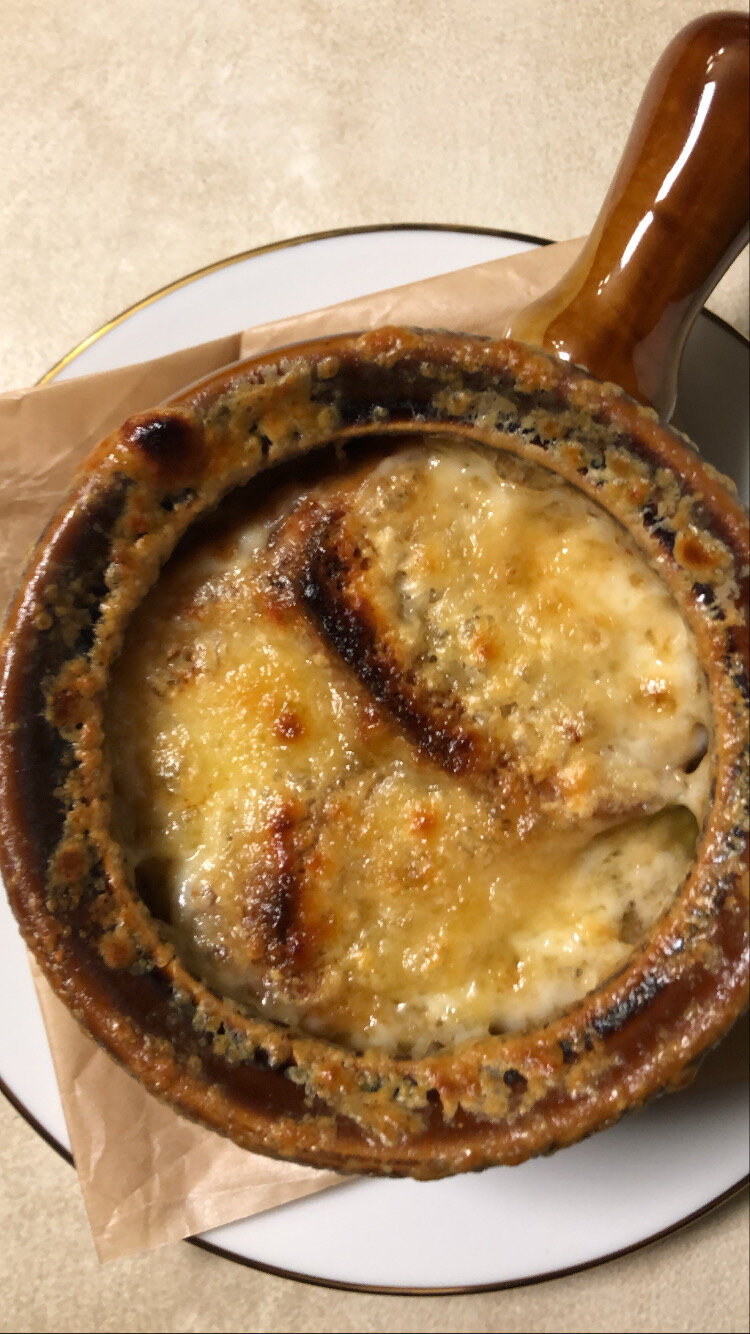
(416, 753)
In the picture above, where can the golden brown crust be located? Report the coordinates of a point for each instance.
(498, 1100)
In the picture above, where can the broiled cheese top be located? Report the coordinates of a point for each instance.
(413, 754)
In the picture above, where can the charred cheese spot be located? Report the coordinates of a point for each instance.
(169, 440)
(288, 725)
(418, 754)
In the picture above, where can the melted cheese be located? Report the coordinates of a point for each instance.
(314, 861)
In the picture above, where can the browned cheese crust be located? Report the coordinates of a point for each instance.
(274, 1086)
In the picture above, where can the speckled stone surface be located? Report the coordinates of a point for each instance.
(141, 141)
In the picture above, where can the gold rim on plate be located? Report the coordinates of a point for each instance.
(291, 241)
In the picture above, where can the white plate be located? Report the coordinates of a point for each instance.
(647, 1175)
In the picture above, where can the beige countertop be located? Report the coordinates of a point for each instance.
(141, 141)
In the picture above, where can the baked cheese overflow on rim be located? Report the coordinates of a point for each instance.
(412, 754)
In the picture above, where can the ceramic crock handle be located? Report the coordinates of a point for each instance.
(675, 217)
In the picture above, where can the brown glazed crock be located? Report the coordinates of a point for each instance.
(498, 1100)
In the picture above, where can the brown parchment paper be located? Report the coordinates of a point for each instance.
(149, 1176)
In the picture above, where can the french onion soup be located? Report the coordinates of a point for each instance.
(415, 755)
(373, 763)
